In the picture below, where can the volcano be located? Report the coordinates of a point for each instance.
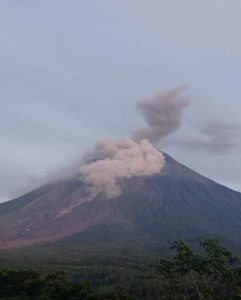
(175, 203)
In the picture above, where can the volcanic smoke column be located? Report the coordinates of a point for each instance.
(111, 161)
(162, 113)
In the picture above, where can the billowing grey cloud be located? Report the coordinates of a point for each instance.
(217, 138)
(111, 161)
(162, 113)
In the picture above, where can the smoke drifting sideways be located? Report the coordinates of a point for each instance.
(218, 138)
(111, 161)
(162, 113)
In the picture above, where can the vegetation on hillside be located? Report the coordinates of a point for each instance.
(212, 273)
(30, 285)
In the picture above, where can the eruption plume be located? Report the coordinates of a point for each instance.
(111, 161)
(162, 114)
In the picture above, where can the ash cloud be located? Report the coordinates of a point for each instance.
(112, 161)
(162, 113)
(105, 166)
(217, 138)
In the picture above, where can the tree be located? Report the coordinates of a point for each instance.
(29, 285)
(213, 275)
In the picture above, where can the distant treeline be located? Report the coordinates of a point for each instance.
(30, 285)
(214, 274)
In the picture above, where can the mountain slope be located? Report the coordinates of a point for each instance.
(178, 202)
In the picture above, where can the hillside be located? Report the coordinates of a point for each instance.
(152, 210)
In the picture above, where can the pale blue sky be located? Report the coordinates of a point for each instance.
(72, 71)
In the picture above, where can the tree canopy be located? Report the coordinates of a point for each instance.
(215, 274)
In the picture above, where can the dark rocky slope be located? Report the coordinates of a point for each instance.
(178, 202)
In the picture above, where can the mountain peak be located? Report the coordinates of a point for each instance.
(172, 203)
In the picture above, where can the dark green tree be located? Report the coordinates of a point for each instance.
(213, 275)
(29, 285)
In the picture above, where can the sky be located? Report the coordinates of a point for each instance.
(72, 72)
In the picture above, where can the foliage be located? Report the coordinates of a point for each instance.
(29, 285)
(213, 275)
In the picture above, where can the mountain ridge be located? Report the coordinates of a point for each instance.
(177, 202)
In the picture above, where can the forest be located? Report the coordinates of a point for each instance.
(210, 272)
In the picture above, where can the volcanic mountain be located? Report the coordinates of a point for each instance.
(177, 202)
